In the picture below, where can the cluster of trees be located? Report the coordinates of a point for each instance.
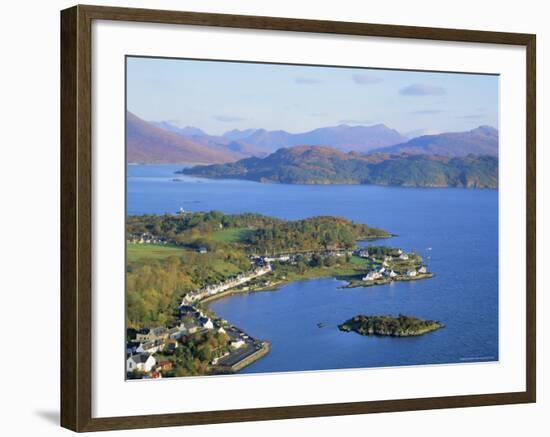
(311, 234)
(194, 225)
(324, 165)
(401, 326)
(192, 357)
(153, 290)
(380, 251)
(267, 234)
(302, 264)
(468, 172)
(155, 287)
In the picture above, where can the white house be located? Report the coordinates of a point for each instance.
(141, 362)
(371, 276)
(422, 269)
(411, 273)
(149, 347)
(237, 344)
(393, 274)
(177, 332)
(404, 256)
(206, 323)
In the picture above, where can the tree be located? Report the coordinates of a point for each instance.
(316, 260)
(205, 353)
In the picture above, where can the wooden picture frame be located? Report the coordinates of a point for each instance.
(76, 217)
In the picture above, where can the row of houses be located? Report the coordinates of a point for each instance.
(161, 333)
(422, 270)
(382, 272)
(394, 254)
(146, 238)
(213, 289)
(153, 340)
(292, 257)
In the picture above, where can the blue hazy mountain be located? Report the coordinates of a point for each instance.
(146, 143)
(482, 140)
(238, 149)
(343, 137)
(188, 131)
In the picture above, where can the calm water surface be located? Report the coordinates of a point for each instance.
(455, 230)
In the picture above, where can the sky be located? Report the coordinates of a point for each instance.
(217, 96)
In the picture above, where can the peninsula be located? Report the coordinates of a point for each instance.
(177, 263)
(401, 326)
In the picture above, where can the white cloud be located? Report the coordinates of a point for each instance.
(365, 79)
(421, 89)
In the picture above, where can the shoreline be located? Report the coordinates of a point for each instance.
(271, 287)
(328, 183)
(350, 284)
(271, 272)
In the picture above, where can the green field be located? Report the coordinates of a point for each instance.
(359, 262)
(355, 266)
(231, 235)
(136, 252)
(223, 267)
(140, 252)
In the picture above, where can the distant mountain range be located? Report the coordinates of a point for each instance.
(236, 148)
(325, 165)
(161, 143)
(345, 138)
(480, 141)
(164, 142)
(146, 143)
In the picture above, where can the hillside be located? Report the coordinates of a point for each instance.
(325, 165)
(146, 143)
(480, 141)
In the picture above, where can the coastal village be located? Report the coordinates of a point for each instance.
(150, 354)
(387, 264)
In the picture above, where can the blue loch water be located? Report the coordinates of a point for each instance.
(455, 230)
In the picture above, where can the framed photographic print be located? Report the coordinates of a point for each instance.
(268, 218)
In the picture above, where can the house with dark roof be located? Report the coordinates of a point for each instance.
(151, 334)
(177, 332)
(142, 362)
(150, 347)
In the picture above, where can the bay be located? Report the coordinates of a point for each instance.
(455, 230)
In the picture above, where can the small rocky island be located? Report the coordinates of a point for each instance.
(401, 326)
